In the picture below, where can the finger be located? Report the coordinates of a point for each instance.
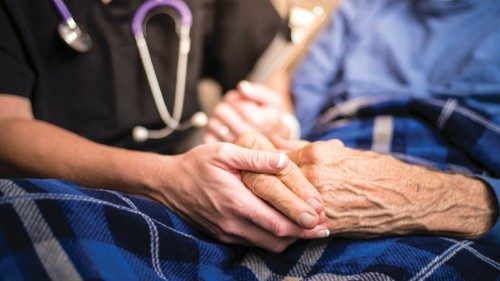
(245, 159)
(293, 178)
(221, 131)
(255, 140)
(258, 93)
(278, 195)
(232, 119)
(209, 137)
(246, 109)
(289, 145)
(275, 222)
(301, 156)
(247, 233)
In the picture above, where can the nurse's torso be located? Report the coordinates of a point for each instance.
(103, 94)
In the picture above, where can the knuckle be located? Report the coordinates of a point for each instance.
(255, 158)
(278, 228)
(249, 213)
(289, 170)
(260, 185)
(232, 229)
(247, 140)
(315, 150)
(311, 172)
(219, 110)
(224, 150)
(336, 143)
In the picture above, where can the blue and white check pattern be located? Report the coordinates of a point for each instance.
(57, 230)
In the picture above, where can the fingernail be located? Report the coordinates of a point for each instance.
(315, 204)
(281, 161)
(245, 86)
(305, 219)
(323, 233)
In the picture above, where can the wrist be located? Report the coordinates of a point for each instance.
(139, 172)
(461, 207)
(167, 182)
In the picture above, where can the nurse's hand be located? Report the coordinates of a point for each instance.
(249, 108)
(204, 186)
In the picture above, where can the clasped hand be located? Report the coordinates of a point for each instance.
(367, 194)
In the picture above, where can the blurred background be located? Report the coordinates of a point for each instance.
(302, 21)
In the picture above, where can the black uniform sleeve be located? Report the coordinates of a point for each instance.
(16, 75)
(242, 31)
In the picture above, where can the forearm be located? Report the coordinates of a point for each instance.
(457, 206)
(30, 148)
(367, 194)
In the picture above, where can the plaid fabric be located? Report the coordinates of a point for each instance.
(56, 230)
(431, 132)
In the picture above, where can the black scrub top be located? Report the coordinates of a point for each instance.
(103, 94)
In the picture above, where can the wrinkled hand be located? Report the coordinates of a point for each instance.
(288, 190)
(369, 194)
(249, 108)
(204, 186)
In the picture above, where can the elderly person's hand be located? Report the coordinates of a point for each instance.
(249, 108)
(368, 194)
(288, 190)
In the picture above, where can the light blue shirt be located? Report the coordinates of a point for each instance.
(422, 48)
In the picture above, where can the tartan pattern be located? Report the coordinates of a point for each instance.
(57, 230)
(432, 132)
(98, 234)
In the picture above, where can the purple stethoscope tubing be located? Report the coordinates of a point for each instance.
(72, 34)
(63, 9)
(179, 6)
(172, 121)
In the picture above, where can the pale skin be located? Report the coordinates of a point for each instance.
(215, 199)
(249, 108)
(366, 194)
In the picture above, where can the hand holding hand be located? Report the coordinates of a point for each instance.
(288, 190)
(204, 187)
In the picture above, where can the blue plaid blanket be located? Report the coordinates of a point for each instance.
(57, 230)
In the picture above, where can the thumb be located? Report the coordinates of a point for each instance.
(287, 145)
(258, 161)
(258, 93)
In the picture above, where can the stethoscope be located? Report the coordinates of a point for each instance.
(81, 42)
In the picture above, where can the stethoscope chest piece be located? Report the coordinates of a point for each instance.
(74, 37)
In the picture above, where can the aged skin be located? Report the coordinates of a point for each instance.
(288, 191)
(370, 194)
(367, 194)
